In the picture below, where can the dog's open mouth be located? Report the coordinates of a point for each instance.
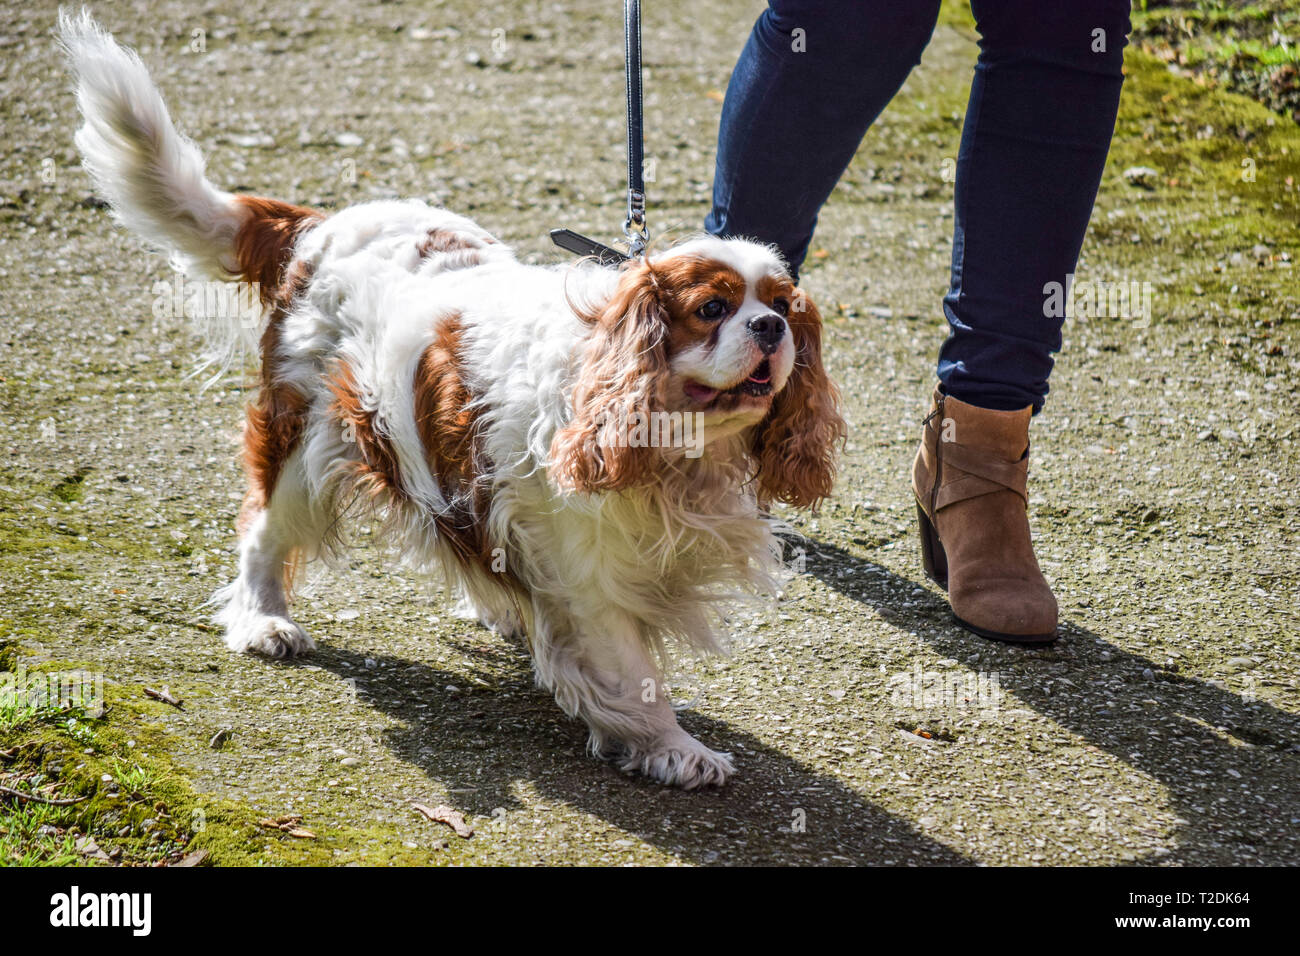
(758, 384)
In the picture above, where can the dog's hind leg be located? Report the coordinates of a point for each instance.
(254, 607)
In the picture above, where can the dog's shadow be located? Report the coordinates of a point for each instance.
(780, 810)
(1206, 745)
(775, 810)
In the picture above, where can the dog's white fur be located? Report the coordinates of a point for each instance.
(598, 580)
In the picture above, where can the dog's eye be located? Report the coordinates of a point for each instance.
(781, 306)
(713, 310)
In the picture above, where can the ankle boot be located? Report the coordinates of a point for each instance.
(969, 478)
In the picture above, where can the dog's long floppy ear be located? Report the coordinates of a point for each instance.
(625, 375)
(795, 444)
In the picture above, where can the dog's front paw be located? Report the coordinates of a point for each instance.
(276, 637)
(680, 761)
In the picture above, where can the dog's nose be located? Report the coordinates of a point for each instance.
(768, 331)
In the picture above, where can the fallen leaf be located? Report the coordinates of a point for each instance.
(165, 695)
(286, 824)
(452, 818)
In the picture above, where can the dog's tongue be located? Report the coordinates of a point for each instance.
(700, 392)
(761, 377)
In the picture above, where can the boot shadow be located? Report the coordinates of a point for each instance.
(1210, 785)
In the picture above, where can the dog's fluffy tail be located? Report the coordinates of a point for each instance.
(153, 178)
(150, 174)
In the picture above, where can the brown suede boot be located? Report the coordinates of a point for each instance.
(969, 478)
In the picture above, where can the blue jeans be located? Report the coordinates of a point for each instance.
(1038, 125)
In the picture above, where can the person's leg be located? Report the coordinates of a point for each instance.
(812, 78)
(1038, 127)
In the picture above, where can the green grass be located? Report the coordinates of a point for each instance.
(1247, 48)
(135, 778)
(1251, 48)
(16, 710)
(36, 834)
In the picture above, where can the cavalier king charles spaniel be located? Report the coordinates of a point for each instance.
(587, 453)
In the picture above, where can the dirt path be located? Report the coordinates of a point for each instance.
(1163, 728)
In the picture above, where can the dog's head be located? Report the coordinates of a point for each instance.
(702, 343)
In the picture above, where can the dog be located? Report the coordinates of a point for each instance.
(588, 453)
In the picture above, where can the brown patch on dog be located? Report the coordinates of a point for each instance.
(446, 240)
(625, 372)
(275, 418)
(796, 444)
(770, 288)
(452, 250)
(441, 396)
(448, 430)
(377, 471)
(264, 243)
(679, 288)
(688, 284)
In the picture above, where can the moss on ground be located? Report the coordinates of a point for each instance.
(1243, 46)
(134, 802)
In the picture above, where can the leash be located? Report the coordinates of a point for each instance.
(634, 227)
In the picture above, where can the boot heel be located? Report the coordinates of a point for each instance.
(933, 557)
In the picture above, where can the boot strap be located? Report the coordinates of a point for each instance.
(984, 474)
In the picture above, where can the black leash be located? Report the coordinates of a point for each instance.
(634, 227)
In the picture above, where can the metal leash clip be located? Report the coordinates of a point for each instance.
(635, 227)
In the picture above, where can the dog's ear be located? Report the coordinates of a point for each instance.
(795, 444)
(625, 374)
